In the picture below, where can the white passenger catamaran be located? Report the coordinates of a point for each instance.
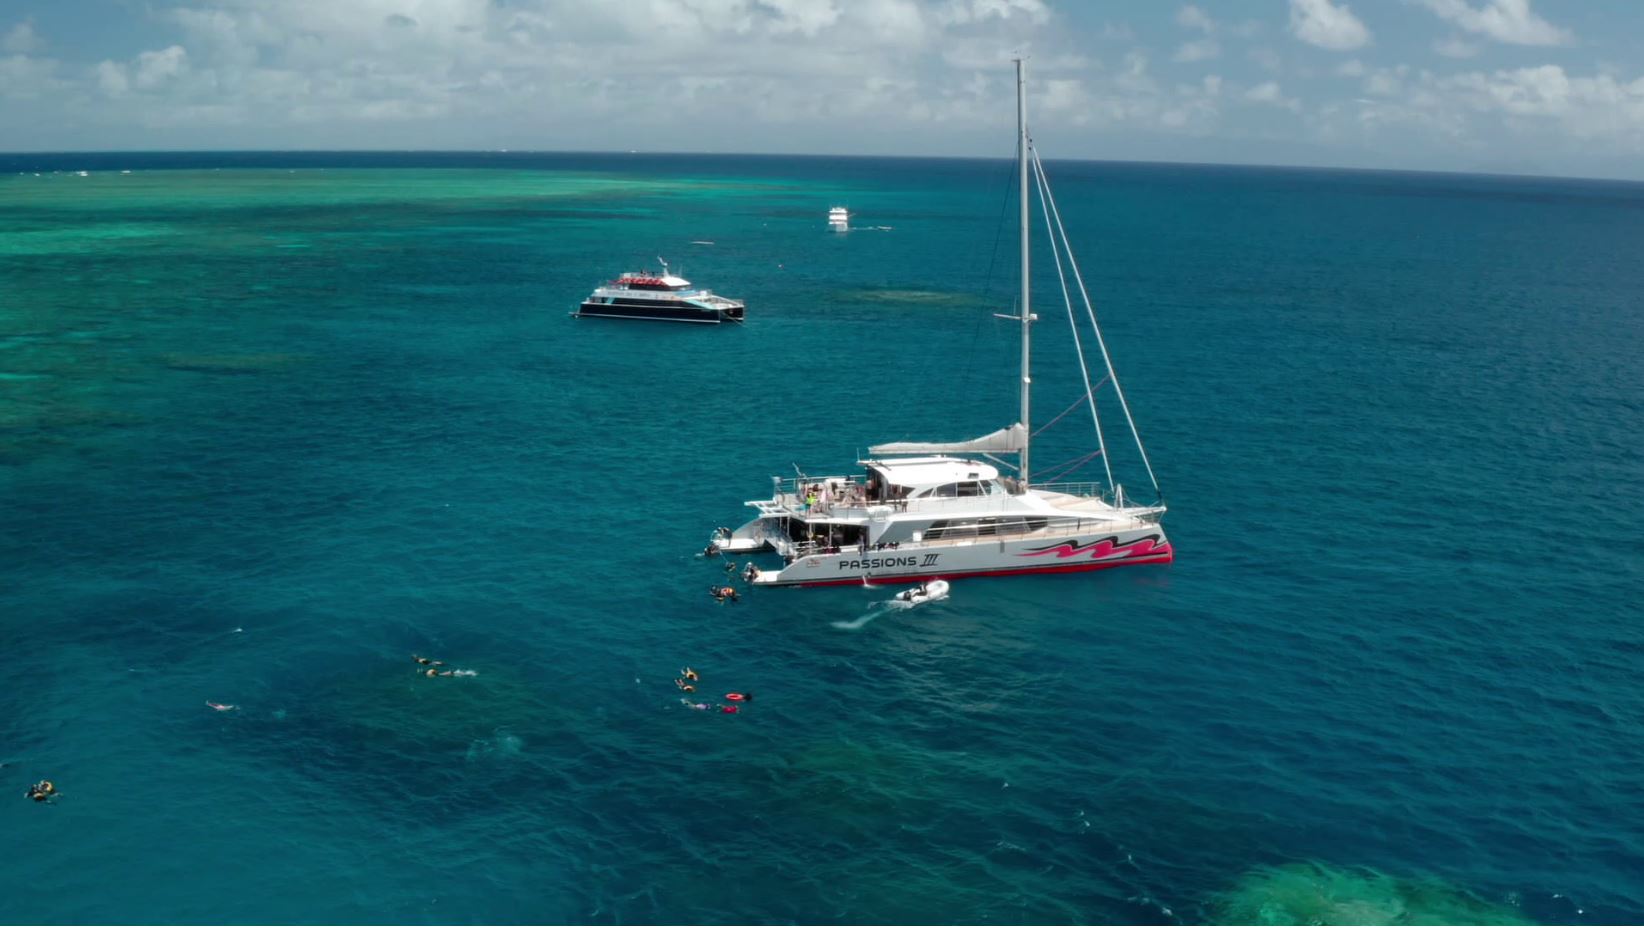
(944, 510)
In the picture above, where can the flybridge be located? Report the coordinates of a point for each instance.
(645, 280)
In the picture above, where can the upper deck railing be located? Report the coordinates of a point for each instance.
(847, 497)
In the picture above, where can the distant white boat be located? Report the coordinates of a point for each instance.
(839, 218)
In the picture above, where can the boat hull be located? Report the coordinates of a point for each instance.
(659, 313)
(992, 558)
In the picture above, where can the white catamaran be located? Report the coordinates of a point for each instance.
(943, 510)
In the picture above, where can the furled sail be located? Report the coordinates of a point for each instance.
(1008, 440)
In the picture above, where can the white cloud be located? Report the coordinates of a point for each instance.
(956, 11)
(766, 75)
(21, 39)
(111, 77)
(802, 17)
(1270, 93)
(1600, 106)
(1203, 48)
(1543, 110)
(151, 70)
(794, 75)
(1510, 21)
(26, 78)
(1191, 17)
(1322, 23)
(1197, 50)
(1128, 97)
(1455, 48)
(155, 68)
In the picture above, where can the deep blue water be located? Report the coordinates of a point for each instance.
(271, 423)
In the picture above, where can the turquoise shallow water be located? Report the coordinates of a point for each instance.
(271, 423)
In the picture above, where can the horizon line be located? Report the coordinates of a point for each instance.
(817, 155)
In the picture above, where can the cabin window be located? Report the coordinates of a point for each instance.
(990, 526)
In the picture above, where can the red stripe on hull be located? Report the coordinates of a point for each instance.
(1047, 569)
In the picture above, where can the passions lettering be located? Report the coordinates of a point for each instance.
(874, 563)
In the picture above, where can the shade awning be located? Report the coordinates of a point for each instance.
(1011, 439)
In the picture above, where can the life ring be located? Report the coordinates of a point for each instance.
(738, 697)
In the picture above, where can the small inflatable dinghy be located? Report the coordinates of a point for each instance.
(930, 591)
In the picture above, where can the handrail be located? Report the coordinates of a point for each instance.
(790, 493)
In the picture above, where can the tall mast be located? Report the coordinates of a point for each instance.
(1024, 307)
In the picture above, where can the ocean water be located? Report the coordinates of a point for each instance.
(270, 424)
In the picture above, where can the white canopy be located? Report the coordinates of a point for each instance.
(1007, 440)
(932, 471)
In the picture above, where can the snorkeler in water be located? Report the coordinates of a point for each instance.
(723, 593)
(427, 661)
(685, 686)
(690, 675)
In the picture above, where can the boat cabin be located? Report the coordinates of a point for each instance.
(930, 478)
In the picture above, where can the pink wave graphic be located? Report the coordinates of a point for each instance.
(1106, 549)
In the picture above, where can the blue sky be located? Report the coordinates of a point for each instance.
(1521, 86)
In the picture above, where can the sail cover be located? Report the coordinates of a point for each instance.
(1010, 439)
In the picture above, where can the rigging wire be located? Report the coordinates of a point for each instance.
(1056, 256)
(1076, 463)
(1044, 190)
(1071, 406)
